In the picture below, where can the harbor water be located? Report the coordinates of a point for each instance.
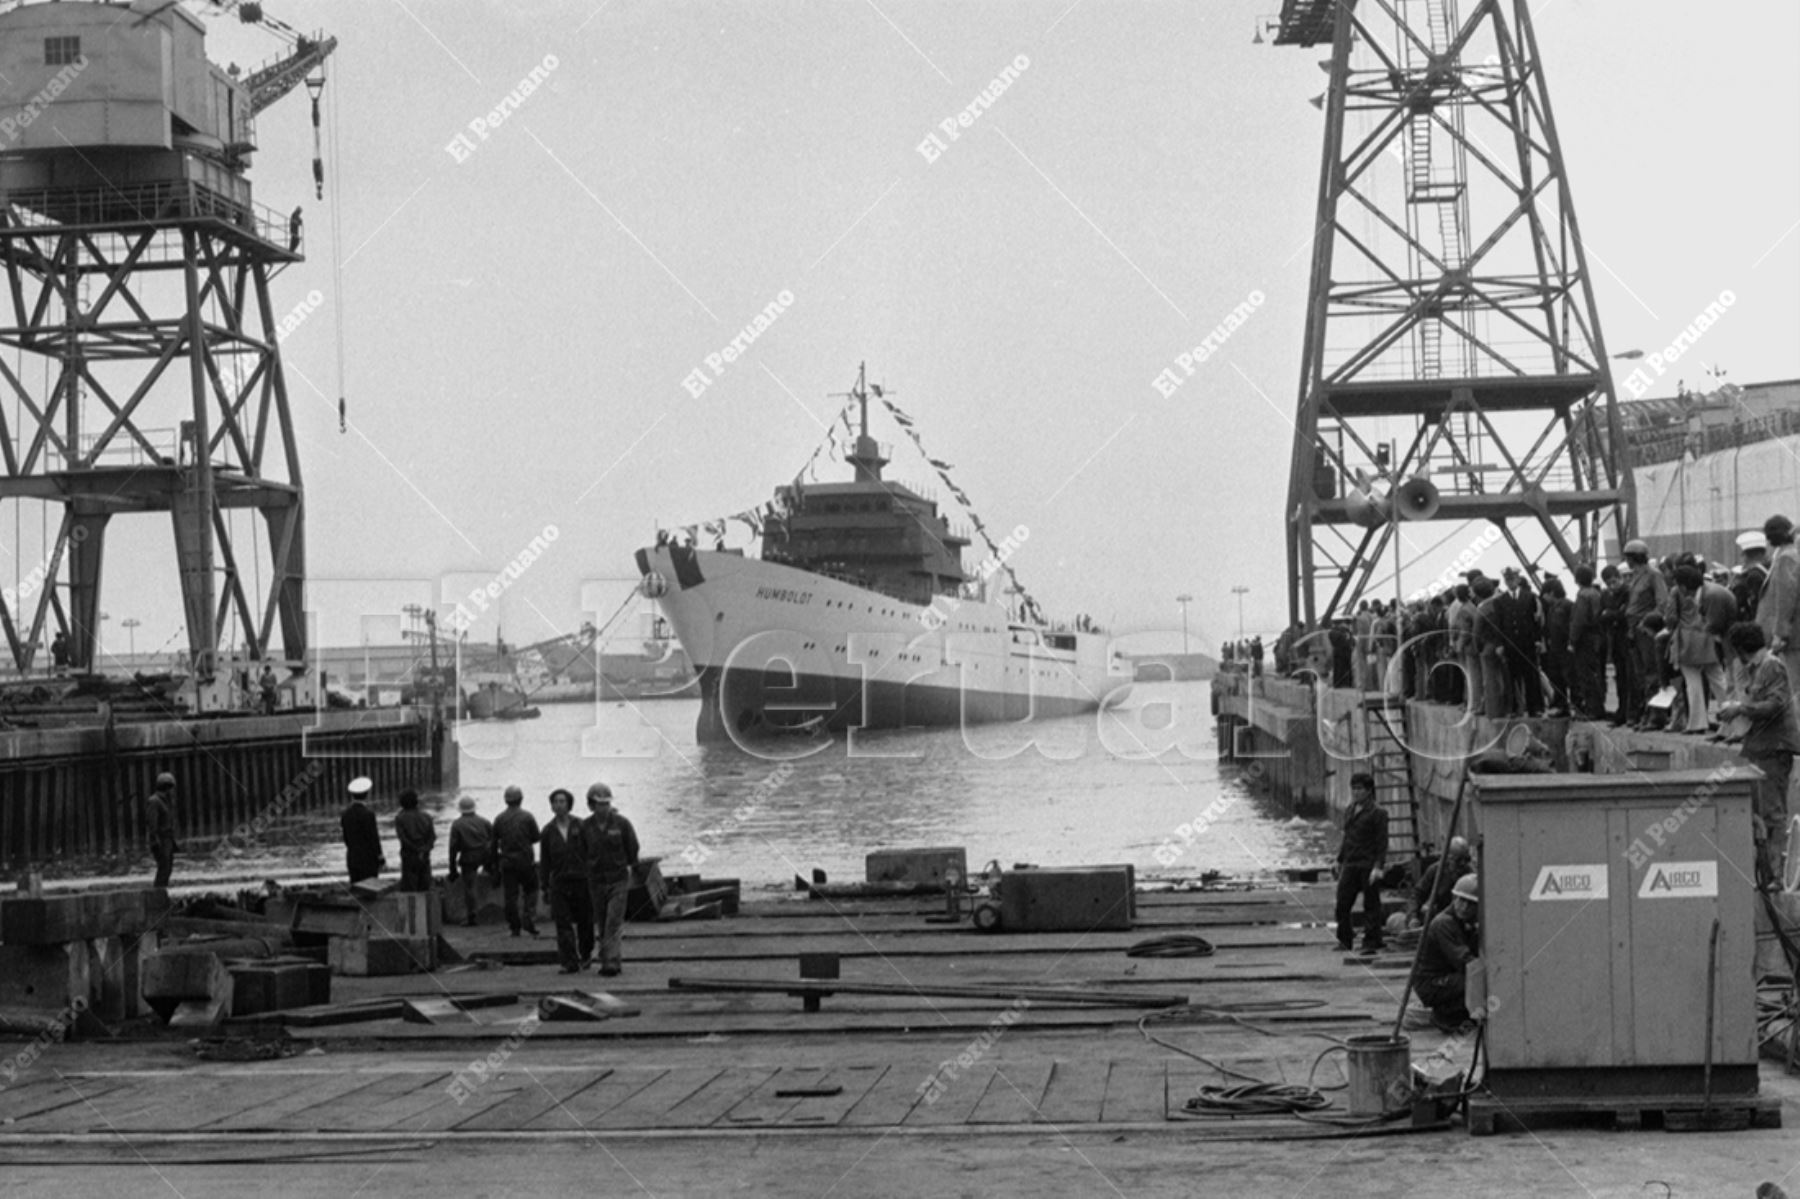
(1141, 784)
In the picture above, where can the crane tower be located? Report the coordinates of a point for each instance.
(140, 365)
(1453, 366)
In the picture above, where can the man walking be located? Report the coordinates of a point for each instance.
(417, 835)
(515, 832)
(1359, 861)
(362, 836)
(471, 852)
(563, 873)
(159, 811)
(610, 850)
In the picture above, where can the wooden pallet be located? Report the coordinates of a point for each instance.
(1679, 1113)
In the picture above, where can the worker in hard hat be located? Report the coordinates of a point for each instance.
(471, 852)
(1646, 593)
(1452, 940)
(159, 824)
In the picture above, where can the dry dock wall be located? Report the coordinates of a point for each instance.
(70, 792)
(1308, 741)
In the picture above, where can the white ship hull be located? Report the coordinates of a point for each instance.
(777, 647)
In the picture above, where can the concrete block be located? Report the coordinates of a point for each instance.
(185, 974)
(45, 977)
(277, 985)
(200, 1014)
(57, 919)
(377, 956)
(927, 865)
(1075, 899)
(412, 913)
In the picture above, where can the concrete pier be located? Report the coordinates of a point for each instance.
(68, 792)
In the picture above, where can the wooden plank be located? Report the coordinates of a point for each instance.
(283, 1097)
(708, 1105)
(957, 1099)
(997, 991)
(91, 1104)
(585, 1107)
(649, 1107)
(853, 1082)
(527, 1096)
(430, 1090)
(335, 1115)
(53, 1095)
(1076, 1092)
(1015, 1096)
(1136, 1092)
(892, 1098)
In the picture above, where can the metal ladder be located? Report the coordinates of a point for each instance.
(1391, 764)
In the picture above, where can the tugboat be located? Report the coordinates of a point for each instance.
(859, 614)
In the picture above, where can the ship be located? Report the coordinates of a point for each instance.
(1709, 466)
(859, 614)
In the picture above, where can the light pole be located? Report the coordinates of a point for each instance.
(1184, 600)
(130, 625)
(1240, 591)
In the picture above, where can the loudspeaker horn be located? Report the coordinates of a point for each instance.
(1417, 499)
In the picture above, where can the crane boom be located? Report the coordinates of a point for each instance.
(270, 83)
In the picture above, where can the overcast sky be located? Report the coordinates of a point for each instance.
(517, 325)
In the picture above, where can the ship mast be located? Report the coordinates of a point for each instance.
(867, 459)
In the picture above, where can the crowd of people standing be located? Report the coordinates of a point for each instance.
(1678, 644)
(583, 867)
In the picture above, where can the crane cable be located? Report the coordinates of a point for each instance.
(337, 259)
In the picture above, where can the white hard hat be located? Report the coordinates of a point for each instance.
(1465, 888)
(361, 785)
(1755, 539)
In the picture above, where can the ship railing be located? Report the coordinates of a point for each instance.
(1676, 444)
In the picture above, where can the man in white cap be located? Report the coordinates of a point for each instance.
(610, 848)
(1452, 940)
(1753, 574)
(362, 836)
(471, 851)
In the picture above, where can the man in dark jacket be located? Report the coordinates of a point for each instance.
(1587, 649)
(515, 832)
(610, 847)
(362, 836)
(1770, 742)
(471, 852)
(1559, 614)
(159, 811)
(1359, 861)
(1452, 940)
(417, 835)
(1614, 596)
(563, 874)
(1521, 630)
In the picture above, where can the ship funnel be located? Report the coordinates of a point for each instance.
(1417, 499)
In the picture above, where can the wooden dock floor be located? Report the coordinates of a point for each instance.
(1264, 1004)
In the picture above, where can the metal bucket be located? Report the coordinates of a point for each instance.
(1380, 1073)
